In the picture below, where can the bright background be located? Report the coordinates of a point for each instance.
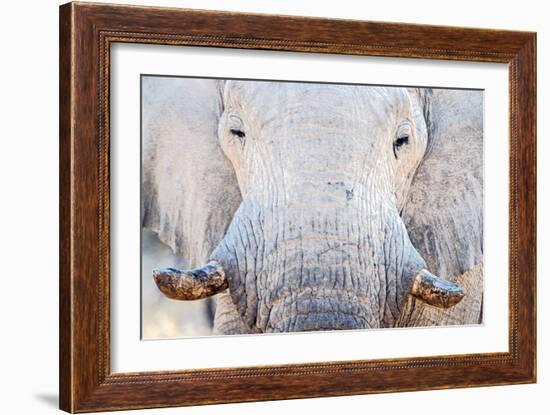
(29, 208)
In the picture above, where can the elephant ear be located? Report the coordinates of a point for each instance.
(189, 189)
(444, 209)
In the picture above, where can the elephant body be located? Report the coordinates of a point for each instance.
(319, 204)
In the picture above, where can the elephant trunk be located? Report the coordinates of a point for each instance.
(330, 282)
(295, 269)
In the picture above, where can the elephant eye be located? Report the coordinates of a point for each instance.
(401, 141)
(238, 133)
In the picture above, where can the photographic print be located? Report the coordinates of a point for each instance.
(316, 197)
(283, 206)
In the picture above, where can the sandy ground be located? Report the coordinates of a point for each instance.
(162, 317)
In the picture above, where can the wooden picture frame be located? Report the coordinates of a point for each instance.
(86, 33)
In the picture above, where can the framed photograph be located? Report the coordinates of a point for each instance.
(259, 207)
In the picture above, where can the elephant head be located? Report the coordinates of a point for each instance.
(314, 206)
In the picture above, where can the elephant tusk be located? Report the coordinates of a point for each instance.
(191, 284)
(436, 291)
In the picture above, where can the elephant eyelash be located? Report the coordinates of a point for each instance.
(401, 141)
(237, 133)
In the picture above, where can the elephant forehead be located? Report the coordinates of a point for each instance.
(301, 97)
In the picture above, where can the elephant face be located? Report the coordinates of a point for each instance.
(318, 242)
(321, 137)
(318, 180)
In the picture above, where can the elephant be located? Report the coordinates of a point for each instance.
(316, 206)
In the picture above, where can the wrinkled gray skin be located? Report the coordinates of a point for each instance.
(316, 211)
